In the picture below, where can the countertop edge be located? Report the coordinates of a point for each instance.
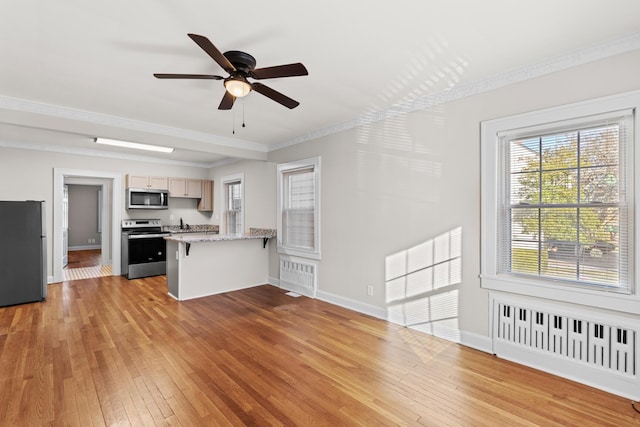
(191, 238)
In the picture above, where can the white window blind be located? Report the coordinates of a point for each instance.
(564, 212)
(299, 208)
(233, 207)
(298, 212)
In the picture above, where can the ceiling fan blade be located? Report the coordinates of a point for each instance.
(187, 76)
(288, 70)
(275, 95)
(213, 52)
(227, 101)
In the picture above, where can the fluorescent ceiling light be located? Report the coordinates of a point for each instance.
(127, 144)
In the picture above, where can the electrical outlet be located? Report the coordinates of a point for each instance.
(370, 290)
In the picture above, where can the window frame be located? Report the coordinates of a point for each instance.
(224, 181)
(491, 196)
(282, 170)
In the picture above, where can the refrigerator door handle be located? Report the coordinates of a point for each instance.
(44, 268)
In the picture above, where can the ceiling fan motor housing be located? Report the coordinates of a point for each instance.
(243, 62)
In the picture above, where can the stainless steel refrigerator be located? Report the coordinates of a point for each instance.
(23, 252)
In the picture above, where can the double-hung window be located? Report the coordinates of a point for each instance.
(233, 204)
(557, 207)
(299, 208)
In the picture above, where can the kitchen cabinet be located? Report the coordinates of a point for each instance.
(205, 204)
(141, 181)
(185, 187)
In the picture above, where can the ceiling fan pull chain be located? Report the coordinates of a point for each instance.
(243, 112)
(234, 123)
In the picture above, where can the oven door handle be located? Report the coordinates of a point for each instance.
(146, 236)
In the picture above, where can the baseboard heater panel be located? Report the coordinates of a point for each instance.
(298, 275)
(590, 347)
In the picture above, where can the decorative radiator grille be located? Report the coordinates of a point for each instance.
(298, 275)
(571, 337)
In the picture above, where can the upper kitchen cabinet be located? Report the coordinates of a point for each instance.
(184, 187)
(140, 181)
(205, 204)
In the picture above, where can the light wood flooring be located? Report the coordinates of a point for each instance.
(109, 351)
(85, 264)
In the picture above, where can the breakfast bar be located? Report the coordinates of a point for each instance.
(202, 264)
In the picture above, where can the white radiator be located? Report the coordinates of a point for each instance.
(586, 346)
(298, 275)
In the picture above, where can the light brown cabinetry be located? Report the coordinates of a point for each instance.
(141, 181)
(205, 204)
(184, 187)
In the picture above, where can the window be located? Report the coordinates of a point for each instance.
(299, 208)
(233, 204)
(557, 205)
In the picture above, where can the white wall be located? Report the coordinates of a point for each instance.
(83, 216)
(259, 192)
(389, 186)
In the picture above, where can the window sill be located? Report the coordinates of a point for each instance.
(299, 253)
(598, 299)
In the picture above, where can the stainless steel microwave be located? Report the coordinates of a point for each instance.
(139, 198)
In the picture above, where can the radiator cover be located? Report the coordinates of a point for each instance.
(298, 275)
(590, 347)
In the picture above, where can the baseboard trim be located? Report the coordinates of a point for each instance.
(273, 281)
(354, 305)
(83, 248)
(476, 341)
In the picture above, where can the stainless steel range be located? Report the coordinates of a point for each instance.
(143, 248)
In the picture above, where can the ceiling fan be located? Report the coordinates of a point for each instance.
(241, 66)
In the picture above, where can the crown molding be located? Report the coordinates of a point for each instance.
(50, 110)
(103, 154)
(550, 65)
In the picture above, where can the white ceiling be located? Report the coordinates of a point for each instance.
(76, 69)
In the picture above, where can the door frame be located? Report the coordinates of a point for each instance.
(65, 225)
(59, 176)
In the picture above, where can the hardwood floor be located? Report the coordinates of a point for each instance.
(84, 258)
(109, 351)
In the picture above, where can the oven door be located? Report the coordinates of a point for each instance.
(146, 248)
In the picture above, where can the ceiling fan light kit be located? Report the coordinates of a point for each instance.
(237, 86)
(240, 66)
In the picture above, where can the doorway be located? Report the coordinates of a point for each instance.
(111, 213)
(82, 244)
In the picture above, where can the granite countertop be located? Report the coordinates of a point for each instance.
(195, 237)
(196, 228)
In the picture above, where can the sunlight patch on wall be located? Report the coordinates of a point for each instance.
(422, 285)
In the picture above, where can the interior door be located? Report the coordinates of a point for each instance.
(65, 226)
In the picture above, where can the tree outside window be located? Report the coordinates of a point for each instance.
(564, 205)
